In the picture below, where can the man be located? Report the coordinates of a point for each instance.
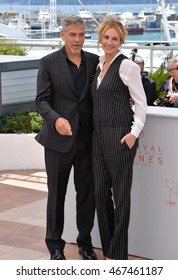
(148, 84)
(64, 101)
(170, 86)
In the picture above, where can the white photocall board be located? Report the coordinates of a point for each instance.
(153, 230)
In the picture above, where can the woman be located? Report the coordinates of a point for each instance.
(115, 137)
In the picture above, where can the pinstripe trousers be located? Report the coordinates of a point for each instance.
(113, 165)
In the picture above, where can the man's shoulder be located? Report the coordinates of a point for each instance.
(165, 84)
(149, 84)
(91, 55)
(52, 55)
(152, 81)
(148, 80)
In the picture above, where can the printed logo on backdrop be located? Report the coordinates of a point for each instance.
(172, 192)
(148, 155)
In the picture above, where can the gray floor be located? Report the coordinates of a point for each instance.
(22, 217)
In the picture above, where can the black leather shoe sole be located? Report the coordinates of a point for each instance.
(58, 255)
(87, 253)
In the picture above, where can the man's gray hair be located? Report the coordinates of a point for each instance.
(71, 20)
(138, 59)
(171, 60)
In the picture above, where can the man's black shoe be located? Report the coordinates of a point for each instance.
(87, 253)
(58, 255)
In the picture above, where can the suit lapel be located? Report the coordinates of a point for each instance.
(89, 75)
(64, 69)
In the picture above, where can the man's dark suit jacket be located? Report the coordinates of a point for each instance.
(150, 90)
(57, 97)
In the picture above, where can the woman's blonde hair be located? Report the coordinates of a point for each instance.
(111, 21)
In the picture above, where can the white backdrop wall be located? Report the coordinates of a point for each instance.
(20, 151)
(154, 214)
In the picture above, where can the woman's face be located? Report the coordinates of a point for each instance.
(110, 41)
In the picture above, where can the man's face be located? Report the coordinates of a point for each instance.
(73, 38)
(141, 66)
(173, 70)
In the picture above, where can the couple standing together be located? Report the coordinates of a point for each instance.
(90, 126)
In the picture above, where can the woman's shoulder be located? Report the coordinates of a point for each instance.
(130, 63)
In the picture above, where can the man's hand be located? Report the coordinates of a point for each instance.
(63, 127)
(172, 97)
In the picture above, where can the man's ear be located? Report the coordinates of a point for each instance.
(61, 34)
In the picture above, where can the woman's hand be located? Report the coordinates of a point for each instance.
(129, 139)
